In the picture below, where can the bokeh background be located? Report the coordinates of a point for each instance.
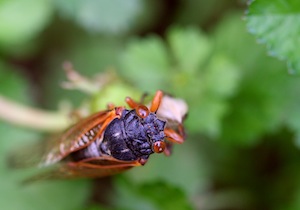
(242, 150)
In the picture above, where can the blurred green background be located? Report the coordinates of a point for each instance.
(243, 127)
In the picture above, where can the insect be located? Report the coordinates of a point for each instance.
(111, 141)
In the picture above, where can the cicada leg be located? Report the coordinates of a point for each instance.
(154, 104)
(141, 110)
(174, 136)
(156, 101)
(131, 103)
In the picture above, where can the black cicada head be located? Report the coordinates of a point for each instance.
(132, 137)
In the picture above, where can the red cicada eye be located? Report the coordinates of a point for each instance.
(142, 111)
(159, 146)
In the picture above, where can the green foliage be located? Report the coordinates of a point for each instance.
(186, 169)
(152, 195)
(189, 11)
(106, 16)
(12, 85)
(147, 61)
(41, 195)
(189, 48)
(99, 55)
(180, 65)
(15, 30)
(243, 125)
(266, 96)
(275, 23)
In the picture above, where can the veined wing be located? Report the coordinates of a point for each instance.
(89, 168)
(76, 137)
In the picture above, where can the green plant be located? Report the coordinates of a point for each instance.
(242, 148)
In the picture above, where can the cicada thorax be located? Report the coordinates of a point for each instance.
(128, 138)
(132, 137)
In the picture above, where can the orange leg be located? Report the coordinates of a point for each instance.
(174, 136)
(131, 103)
(156, 101)
(154, 104)
(141, 110)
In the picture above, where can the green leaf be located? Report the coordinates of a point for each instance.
(276, 23)
(150, 196)
(158, 192)
(262, 104)
(222, 77)
(115, 93)
(22, 20)
(189, 47)
(147, 63)
(108, 16)
(220, 81)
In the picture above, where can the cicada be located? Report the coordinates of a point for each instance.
(112, 141)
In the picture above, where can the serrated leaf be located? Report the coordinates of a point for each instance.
(108, 16)
(276, 24)
(23, 20)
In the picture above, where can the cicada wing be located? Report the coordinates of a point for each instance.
(26, 156)
(91, 168)
(98, 167)
(75, 138)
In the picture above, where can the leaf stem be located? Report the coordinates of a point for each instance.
(33, 118)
